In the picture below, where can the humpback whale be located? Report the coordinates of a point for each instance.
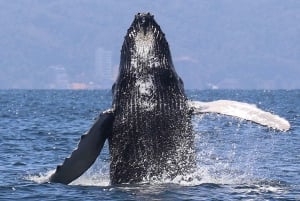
(149, 128)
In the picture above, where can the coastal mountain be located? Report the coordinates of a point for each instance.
(215, 44)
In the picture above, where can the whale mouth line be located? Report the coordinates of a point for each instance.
(145, 52)
(144, 24)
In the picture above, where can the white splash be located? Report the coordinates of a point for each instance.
(41, 177)
(92, 179)
(97, 175)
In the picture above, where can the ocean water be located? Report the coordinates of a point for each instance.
(236, 160)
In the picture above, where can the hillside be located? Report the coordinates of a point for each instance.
(215, 44)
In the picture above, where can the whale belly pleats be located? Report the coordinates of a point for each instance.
(151, 139)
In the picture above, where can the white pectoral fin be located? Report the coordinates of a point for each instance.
(241, 110)
(88, 149)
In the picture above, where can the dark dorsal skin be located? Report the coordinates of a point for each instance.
(152, 134)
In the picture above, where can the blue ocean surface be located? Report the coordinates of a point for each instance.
(236, 159)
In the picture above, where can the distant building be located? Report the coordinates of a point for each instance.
(60, 78)
(103, 76)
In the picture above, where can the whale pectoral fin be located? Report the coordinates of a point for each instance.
(241, 110)
(87, 152)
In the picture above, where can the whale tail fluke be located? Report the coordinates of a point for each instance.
(88, 149)
(241, 110)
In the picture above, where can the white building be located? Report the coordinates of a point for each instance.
(103, 77)
(59, 77)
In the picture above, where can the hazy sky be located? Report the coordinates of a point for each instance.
(249, 44)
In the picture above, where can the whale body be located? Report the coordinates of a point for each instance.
(149, 128)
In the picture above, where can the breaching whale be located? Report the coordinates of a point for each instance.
(149, 127)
